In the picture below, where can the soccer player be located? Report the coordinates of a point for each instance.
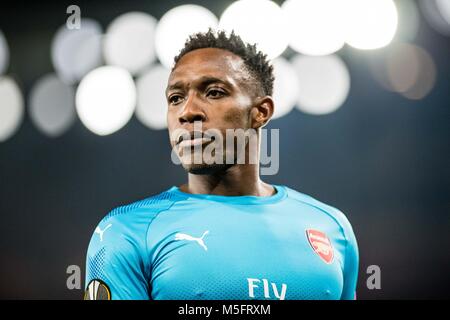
(225, 234)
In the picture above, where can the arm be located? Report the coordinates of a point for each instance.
(115, 266)
(350, 265)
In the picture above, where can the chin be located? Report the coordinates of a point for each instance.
(205, 168)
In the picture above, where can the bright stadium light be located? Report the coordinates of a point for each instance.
(370, 24)
(151, 107)
(257, 21)
(52, 105)
(78, 51)
(315, 27)
(129, 41)
(4, 54)
(106, 99)
(176, 25)
(324, 83)
(286, 87)
(11, 108)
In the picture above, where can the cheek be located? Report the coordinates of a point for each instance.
(236, 118)
(171, 118)
(243, 101)
(238, 113)
(170, 126)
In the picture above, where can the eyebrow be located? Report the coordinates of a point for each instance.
(204, 81)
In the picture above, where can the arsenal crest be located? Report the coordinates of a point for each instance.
(320, 244)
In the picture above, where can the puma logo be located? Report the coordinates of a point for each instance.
(100, 231)
(183, 236)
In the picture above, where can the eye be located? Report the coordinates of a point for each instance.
(215, 93)
(175, 99)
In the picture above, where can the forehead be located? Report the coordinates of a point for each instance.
(212, 62)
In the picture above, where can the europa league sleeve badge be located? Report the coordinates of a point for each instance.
(97, 290)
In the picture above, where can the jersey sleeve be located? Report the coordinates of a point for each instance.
(115, 262)
(351, 263)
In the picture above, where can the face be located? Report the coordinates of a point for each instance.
(208, 92)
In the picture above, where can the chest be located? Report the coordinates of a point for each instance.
(248, 257)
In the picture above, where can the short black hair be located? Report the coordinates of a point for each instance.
(257, 62)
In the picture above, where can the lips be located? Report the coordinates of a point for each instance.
(193, 138)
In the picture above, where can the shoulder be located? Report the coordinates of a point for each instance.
(140, 213)
(147, 207)
(128, 224)
(337, 215)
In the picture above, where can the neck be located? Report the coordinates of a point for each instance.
(237, 180)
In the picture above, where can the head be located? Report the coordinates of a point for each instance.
(218, 85)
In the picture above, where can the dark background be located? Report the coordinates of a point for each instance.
(382, 159)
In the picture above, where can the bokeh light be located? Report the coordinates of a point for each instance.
(106, 99)
(151, 107)
(52, 105)
(324, 83)
(75, 52)
(315, 26)
(11, 108)
(408, 20)
(403, 68)
(437, 14)
(129, 41)
(406, 69)
(259, 22)
(286, 87)
(4, 53)
(444, 9)
(176, 25)
(370, 24)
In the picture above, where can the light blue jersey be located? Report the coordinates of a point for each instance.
(176, 245)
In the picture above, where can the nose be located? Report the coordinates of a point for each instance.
(192, 111)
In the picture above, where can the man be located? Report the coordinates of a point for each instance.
(225, 234)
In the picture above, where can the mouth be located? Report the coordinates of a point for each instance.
(194, 138)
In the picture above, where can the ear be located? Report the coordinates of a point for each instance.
(261, 112)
